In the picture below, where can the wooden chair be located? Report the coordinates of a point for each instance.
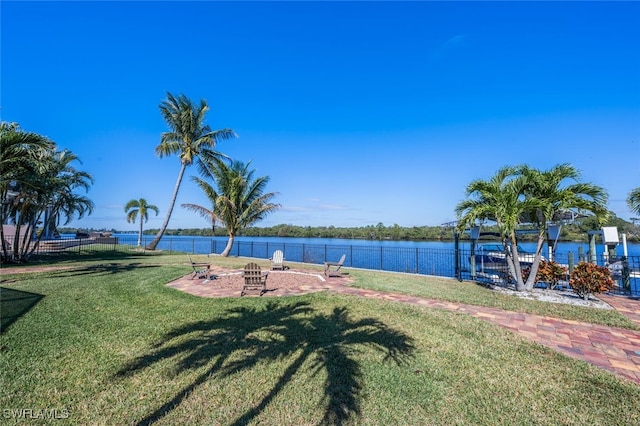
(200, 269)
(254, 279)
(332, 269)
(277, 260)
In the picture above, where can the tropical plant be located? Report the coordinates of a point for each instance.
(551, 272)
(188, 137)
(633, 200)
(589, 278)
(499, 200)
(552, 192)
(517, 195)
(38, 186)
(135, 208)
(238, 197)
(202, 211)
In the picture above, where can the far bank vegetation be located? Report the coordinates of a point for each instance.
(573, 232)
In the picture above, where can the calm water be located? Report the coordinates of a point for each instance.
(203, 243)
(421, 257)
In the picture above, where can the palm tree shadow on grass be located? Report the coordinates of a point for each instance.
(277, 332)
(13, 304)
(101, 269)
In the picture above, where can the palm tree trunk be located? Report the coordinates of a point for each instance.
(531, 281)
(156, 240)
(514, 259)
(140, 233)
(227, 249)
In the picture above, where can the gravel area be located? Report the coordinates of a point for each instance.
(555, 296)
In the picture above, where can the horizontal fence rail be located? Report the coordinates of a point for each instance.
(414, 260)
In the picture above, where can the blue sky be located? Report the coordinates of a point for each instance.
(360, 112)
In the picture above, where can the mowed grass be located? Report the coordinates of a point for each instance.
(109, 343)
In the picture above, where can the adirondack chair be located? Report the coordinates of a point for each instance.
(200, 269)
(332, 269)
(277, 260)
(254, 279)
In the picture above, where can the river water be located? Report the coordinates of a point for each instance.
(185, 243)
(421, 257)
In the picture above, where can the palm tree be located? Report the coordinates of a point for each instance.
(23, 155)
(500, 200)
(188, 137)
(553, 191)
(39, 188)
(523, 194)
(633, 200)
(239, 200)
(64, 202)
(139, 207)
(211, 195)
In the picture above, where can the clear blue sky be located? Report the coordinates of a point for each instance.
(360, 112)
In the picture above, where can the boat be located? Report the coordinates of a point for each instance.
(489, 261)
(492, 256)
(619, 268)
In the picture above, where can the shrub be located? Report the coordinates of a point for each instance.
(550, 272)
(588, 278)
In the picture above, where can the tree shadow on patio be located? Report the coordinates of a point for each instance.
(243, 337)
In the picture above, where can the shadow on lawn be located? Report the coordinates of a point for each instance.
(243, 337)
(101, 269)
(14, 304)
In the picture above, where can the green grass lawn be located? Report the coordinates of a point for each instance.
(106, 342)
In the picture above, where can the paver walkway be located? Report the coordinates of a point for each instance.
(613, 349)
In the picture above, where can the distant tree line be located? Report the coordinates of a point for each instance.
(572, 232)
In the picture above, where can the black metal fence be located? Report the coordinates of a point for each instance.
(416, 260)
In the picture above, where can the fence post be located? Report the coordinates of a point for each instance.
(571, 263)
(626, 275)
(456, 240)
(381, 262)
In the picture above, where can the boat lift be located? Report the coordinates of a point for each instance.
(553, 236)
(475, 234)
(619, 267)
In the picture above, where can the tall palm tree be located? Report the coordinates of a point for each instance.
(500, 200)
(553, 191)
(633, 200)
(239, 199)
(139, 207)
(188, 137)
